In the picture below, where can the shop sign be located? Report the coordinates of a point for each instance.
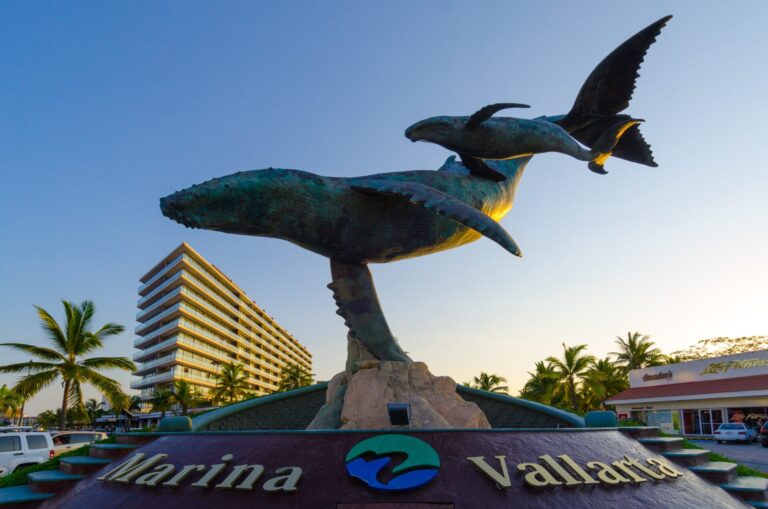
(718, 368)
(723, 367)
(661, 375)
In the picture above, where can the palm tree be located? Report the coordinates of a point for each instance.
(673, 359)
(10, 401)
(64, 360)
(231, 383)
(293, 376)
(184, 395)
(490, 382)
(637, 351)
(570, 370)
(542, 384)
(93, 409)
(134, 404)
(162, 402)
(47, 419)
(603, 380)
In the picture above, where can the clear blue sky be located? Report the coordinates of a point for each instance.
(107, 106)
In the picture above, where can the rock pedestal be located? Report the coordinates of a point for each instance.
(357, 398)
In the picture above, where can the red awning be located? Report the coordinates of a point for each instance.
(741, 384)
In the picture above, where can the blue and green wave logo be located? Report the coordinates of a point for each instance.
(420, 466)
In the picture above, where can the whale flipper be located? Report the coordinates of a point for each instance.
(487, 112)
(478, 168)
(608, 90)
(442, 204)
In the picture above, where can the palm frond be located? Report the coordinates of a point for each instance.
(32, 384)
(73, 323)
(52, 330)
(38, 351)
(107, 386)
(24, 366)
(76, 395)
(109, 329)
(109, 363)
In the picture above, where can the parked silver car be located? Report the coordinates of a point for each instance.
(735, 432)
(64, 441)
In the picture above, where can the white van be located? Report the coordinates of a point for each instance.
(23, 449)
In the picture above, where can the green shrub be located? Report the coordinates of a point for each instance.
(19, 476)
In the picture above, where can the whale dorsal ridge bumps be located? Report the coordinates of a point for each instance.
(442, 204)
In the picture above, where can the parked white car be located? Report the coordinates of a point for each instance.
(23, 449)
(735, 432)
(64, 441)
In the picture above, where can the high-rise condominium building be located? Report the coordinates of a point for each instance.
(193, 320)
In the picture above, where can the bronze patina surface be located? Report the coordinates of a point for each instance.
(594, 120)
(356, 221)
(385, 217)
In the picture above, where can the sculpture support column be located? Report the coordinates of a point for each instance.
(358, 304)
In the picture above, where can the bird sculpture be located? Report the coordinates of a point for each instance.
(385, 217)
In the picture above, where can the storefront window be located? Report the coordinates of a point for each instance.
(751, 416)
(667, 420)
(691, 422)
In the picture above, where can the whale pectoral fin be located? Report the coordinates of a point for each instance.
(478, 168)
(487, 112)
(442, 204)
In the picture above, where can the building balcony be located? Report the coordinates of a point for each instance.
(155, 319)
(144, 302)
(143, 315)
(152, 379)
(154, 334)
(151, 365)
(172, 264)
(144, 354)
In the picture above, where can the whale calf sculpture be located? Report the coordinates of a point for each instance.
(481, 137)
(594, 120)
(385, 217)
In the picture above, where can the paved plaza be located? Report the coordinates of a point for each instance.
(752, 455)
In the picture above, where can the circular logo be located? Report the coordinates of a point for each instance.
(369, 459)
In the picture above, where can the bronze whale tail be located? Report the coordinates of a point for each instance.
(607, 92)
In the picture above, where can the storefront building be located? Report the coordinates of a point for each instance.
(694, 398)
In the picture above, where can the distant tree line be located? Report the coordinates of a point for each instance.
(578, 382)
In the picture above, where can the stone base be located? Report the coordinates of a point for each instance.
(357, 398)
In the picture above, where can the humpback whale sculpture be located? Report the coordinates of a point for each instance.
(391, 216)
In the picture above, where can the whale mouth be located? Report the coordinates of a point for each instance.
(410, 133)
(172, 208)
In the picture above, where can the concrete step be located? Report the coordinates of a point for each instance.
(762, 504)
(135, 438)
(718, 472)
(688, 457)
(640, 431)
(82, 465)
(111, 451)
(51, 481)
(21, 497)
(661, 444)
(748, 488)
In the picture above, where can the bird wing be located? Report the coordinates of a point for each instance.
(442, 204)
(609, 87)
